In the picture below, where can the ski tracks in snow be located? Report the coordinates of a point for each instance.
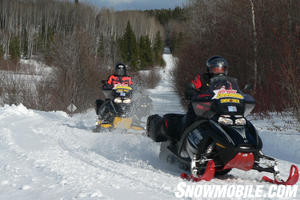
(68, 157)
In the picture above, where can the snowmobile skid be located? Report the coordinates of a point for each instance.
(219, 139)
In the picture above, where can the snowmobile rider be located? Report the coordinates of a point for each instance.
(198, 87)
(119, 77)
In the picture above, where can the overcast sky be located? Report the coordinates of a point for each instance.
(135, 4)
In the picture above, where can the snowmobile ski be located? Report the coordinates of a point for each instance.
(292, 179)
(207, 176)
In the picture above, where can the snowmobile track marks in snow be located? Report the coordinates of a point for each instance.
(112, 169)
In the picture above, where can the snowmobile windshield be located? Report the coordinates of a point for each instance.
(224, 97)
(223, 82)
(122, 91)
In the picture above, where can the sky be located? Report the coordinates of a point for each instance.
(135, 4)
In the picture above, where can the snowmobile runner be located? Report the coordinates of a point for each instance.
(220, 138)
(115, 112)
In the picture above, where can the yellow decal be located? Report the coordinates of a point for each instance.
(234, 95)
(122, 87)
(230, 101)
(137, 128)
(122, 90)
(220, 145)
(106, 125)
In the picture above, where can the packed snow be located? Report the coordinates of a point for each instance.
(50, 155)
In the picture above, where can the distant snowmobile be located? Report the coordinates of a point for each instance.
(115, 112)
(221, 138)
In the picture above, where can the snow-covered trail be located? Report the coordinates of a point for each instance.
(48, 155)
(165, 99)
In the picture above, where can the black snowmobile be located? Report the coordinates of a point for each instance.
(220, 138)
(115, 111)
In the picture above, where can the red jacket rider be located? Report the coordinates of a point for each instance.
(119, 77)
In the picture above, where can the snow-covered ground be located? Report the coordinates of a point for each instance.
(30, 72)
(49, 155)
(25, 81)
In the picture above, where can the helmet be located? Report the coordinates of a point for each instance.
(120, 69)
(217, 65)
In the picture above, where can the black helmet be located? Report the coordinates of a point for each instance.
(120, 69)
(217, 65)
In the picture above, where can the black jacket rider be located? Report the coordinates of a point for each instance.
(198, 88)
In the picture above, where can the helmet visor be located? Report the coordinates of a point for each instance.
(219, 70)
(120, 72)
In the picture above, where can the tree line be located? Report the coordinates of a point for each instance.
(260, 39)
(172, 20)
(140, 53)
(28, 27)
(81, 42)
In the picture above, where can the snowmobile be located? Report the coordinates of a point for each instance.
(117, 108)
(220, 138)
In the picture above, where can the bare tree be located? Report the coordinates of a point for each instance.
(254, 42)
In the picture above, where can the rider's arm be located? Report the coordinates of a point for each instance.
(197, 83)
(110, 79)
(190, 91)
(198, 87)
(127, 79)
(130, 81)
(192, 88)
(109, 83)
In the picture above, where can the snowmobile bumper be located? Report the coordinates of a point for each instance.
(243, 161)
(120, 123)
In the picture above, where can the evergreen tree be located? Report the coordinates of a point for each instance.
(129, 47)
(14, 48)
(165, 15)
(175, 41)
(146, 57)
(25, 44)
(142, 46)
(158, 49)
